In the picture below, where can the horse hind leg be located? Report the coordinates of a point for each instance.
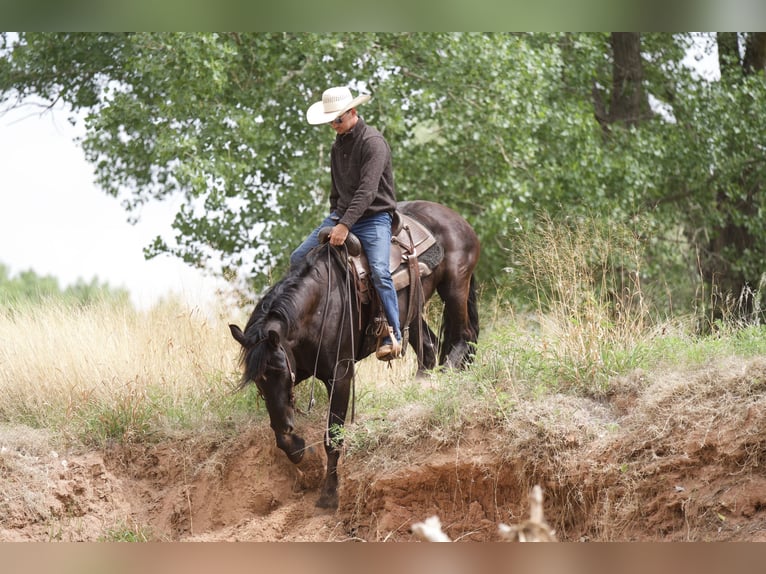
(460, 325)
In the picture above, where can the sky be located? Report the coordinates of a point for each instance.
(55, 221)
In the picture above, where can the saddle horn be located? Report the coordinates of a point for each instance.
(352, 242)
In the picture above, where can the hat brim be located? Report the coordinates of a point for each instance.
(316, 115)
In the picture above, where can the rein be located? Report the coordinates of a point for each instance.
(347, 311)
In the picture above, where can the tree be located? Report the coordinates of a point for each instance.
(629, 103)
(498, 126)
(29, 287)
(731, 255)
(219, 120)
(705, 147)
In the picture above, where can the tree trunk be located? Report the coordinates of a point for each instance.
(755, 53)
(729, 61)
(628, 103)
(735, 291)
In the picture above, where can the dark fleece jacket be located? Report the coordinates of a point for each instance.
(362, 176)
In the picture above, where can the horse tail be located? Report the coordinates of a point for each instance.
(473, 309)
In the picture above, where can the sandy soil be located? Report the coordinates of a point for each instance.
(693, 474)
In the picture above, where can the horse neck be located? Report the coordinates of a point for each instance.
(325, 323)
(297, 313)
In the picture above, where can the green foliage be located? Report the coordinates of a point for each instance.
(590, 316)
(499, 126)
(127, 533)
(132, 416)
(127, 417)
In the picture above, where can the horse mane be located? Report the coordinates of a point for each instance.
(280, 303)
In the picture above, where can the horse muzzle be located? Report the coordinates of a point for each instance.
(293, 445)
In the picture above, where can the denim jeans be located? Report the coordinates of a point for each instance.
(374, 233)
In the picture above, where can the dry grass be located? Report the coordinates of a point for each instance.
(591, 310)
(28, 457)
(104, 372)
(110, 370)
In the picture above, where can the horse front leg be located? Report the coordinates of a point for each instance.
(333, 440)
(329, 495)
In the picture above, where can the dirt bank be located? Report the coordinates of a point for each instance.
(677, 458)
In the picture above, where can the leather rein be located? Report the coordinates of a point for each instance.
(347, 314)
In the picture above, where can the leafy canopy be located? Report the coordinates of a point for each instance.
(498, 126)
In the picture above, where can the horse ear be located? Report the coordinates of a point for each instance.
(273, 337)
(237, 333)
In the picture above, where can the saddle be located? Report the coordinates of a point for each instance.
(414, 254)
(409, 240)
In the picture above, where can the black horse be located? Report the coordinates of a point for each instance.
(311, 323)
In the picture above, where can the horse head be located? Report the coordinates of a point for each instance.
(268, 364)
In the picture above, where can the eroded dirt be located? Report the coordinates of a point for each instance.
(687, 478)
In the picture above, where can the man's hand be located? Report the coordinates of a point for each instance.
(338, 235)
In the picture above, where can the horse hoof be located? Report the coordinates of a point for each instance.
(328, 501)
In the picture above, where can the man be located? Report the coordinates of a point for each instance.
(362, 198)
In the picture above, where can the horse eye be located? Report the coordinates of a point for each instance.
(260, 385)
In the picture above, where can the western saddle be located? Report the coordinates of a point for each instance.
(414, 254)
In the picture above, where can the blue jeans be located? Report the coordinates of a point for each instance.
(374, 232)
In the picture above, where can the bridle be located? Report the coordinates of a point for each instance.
(287, 360)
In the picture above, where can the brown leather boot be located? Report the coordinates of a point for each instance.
(389, 348)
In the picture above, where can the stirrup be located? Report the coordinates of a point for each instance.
(388, 351)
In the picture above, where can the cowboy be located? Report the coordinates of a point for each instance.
(362, 198)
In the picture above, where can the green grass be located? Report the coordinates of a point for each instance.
(514, 368)
(745, 342)
(518, 360)
(127, 533)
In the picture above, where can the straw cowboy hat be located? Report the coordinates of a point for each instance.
(335, 102)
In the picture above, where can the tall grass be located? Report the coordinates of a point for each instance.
(107, 371)
(590, 324)
(591, 313)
